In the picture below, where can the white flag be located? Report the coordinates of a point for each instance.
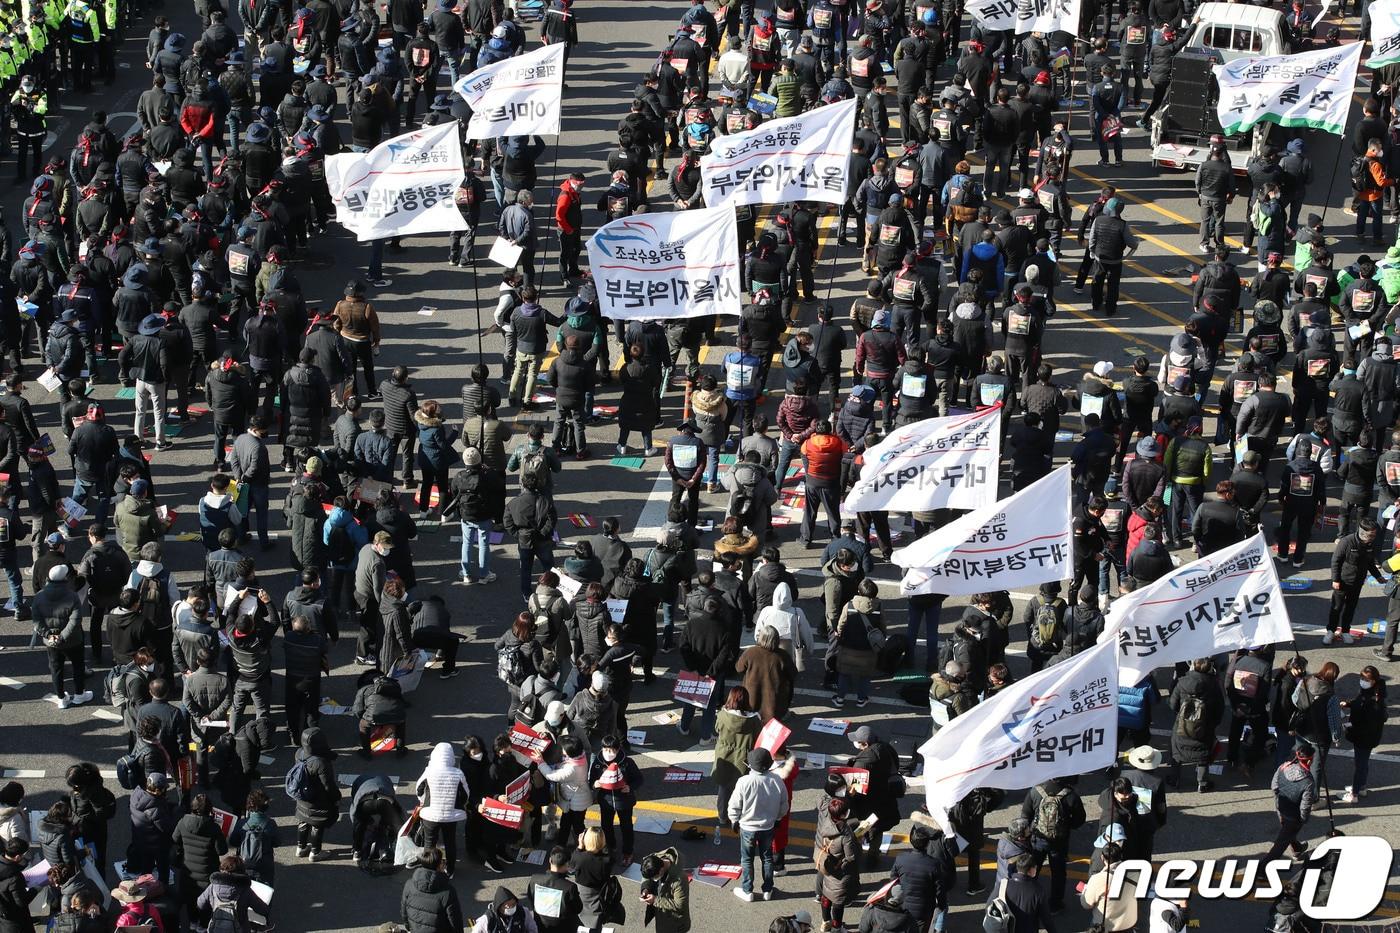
(402, 186)
(937, 463)
(1062, 720)
(994, 15)
(684, 264)
(1047, 16)
(1023, 540)
(521, 96)
(1226, 600)
(1385, 33)
(1311, 89)
(800, 158)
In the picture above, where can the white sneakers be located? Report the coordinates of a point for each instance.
(80, 699)
(746, 896)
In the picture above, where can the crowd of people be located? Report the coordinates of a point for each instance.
(167, 260)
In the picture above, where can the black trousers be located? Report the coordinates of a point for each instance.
(302, 699)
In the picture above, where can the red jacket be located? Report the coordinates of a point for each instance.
(197, 119)
(568, 212)
(823, 453)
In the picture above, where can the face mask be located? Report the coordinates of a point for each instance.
(610, 755)
(477, 756)
(509, 911)
(149, 668)
(1365, 685)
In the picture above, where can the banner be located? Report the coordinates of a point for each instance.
(1311, 89)
(521, 96)
(937, 463)
(1047, 16)
(519, 789)
(400, 187)
(1385, 33)
(801, 158)
(1062, 720)
(1226, 600)
(1021, 541)
(659, 266)
(994, 15)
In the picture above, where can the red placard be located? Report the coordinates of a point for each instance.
(518, 789)
(682, 776)
(718, 870)
(693, 689)
(773, 736)
(611, 778)
(502, 813)
(857, 779)
(226, 820)
(527, 743)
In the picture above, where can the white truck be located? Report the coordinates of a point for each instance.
(1218, 33)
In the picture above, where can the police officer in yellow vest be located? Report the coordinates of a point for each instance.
(107, 45)
(29, 107)
(9, 78)
(83, 32)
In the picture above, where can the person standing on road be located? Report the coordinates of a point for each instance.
(1110, 242)
(1353, 560)
(1370, 191)
(759, 800)
(1215, 189)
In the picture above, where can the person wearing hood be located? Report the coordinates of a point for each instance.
(144, 362)
(58, 619)
(477, 499)
(198, 843)
(230, 887)
(573, 376)
(319, 807)
(217, 511)
(1302, 490)
(442, 795)
(530, 323)
(429, 902)
(858, 634)
(790, 622)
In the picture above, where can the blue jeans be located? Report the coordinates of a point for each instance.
(847, 682)
(544, 553)
(1186, 499)
(668, 620)
(1374, 210)
(476, 536)
(926, 618)
(758, 843)
(787, 451)
(707, 715)
(712, 471)
(16, 581)
(1104, 567)
(257, 502)
(454, 61)
(80, 496)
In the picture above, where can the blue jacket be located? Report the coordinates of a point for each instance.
(744, 369)
(1135, 705)
(359, 535)
(984, 253)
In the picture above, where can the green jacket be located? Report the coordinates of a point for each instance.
(137, 523)
(1188, 461)
(786, 88)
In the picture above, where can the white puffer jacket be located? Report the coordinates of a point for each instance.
(438, 786)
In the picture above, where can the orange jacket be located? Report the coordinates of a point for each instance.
(823, 453)
(1382, 180)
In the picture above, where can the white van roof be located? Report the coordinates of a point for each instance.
(1238, 14)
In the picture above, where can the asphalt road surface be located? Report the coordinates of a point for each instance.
(620, 39)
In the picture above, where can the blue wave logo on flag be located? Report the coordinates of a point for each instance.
(1024, 717)
(627, 232)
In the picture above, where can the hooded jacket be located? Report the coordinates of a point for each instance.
(429, 903)
(322, 806)
(1295, 791)
(442, 788)
(790, 621)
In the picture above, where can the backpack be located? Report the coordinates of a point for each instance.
(223, 916)
(891, 654)
(298, 783)
(826, 862)
(131, 774)
(114, 684)
(999, 918)
(534, 463)
(1047, 622)
(1302, 701)
(657, 573)
(510, 666)
(1360, 174)
(1052, 816)
(1191, 721)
